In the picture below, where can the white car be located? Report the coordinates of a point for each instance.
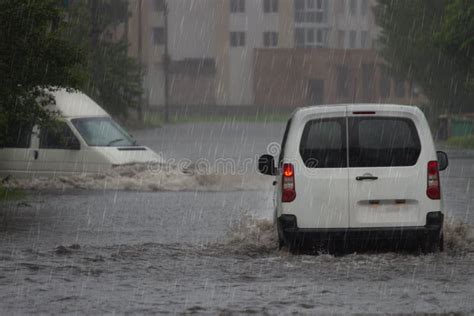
(86, 141)
(358, 173)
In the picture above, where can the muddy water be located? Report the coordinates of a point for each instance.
(115, 251)
(96, 252)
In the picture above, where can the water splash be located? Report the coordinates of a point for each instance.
(252, 236)
(256, 236)
(146, 177)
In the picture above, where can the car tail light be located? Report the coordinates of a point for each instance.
(288, 183)
(433, 190)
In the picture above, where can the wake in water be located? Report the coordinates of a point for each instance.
(458, 237)
(149, 177)
(252, 235)
(256, 236)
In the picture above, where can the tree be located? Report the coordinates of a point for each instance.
(456, 39)
(115, 80)
(410, 43)
(34, 59)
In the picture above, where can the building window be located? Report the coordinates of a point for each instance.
(270, 6)
(352, 39)
(353, 7)
(364, 39)
(158, 36)
(310, 37)
(319, 37)
(343, 81)
(237, 39)
(270, 39)
(159, 5)
(299, 37)
(310, 11)
(309, 15)
(364, 7)
(237, 6)
(341, 39)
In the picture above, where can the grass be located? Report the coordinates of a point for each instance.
(7, 194)
(465, 142)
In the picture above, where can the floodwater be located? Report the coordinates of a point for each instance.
(115, 251)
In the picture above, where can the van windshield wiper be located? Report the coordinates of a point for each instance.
(114, 141)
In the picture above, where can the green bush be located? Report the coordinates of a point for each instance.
(7, 194)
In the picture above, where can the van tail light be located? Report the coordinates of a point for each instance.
(433, 190)
(288, 183)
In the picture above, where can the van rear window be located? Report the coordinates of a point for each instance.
(323, 144)
(382, 142)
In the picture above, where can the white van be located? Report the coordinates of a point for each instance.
(87, 141)
(358, 173)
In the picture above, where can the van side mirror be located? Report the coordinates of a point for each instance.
(266, 165)
(443, 161)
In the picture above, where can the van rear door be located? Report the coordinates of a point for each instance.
(387, 182)
(321, 182)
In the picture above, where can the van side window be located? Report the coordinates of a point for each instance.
(17, 137)
(323, 144)
(383, 142)
(283, 142)
(58, 136)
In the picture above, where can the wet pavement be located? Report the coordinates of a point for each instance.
(91, 252)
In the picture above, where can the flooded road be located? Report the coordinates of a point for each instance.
(115, 251)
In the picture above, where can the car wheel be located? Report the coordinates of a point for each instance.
(441, 243)
(432, 244)
(279, 235)
(295, 247)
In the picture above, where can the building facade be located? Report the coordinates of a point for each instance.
(211, 46)
(216, 46)
(327, 76)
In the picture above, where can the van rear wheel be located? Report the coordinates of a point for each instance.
(441, 243)
(433, 244)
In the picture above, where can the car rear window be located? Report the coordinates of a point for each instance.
(382, 142)
(323, 144)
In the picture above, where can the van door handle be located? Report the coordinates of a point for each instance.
(361, 178)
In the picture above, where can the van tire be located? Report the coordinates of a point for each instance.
(279, 235)
(295, 247)
(281, 243)
(433, 244)
(441, 243)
